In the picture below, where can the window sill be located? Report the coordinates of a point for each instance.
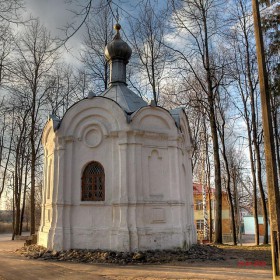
(93, 203)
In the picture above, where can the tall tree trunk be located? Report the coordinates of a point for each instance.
(263, 199)
(208, 172)
(14, 216)
(257, 153)
(32, 189)
(212, 118)
(17, 190)
(24, 198)
(276, 131)
(218, 239)
(19, 173)
(228, 180)
(4, 175)
(254, 131)
(253, 173)
(33, 162)
(231, 207)
(255, 143)
(236, 203)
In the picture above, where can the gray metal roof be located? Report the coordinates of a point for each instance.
(175, 113)
(126, 98)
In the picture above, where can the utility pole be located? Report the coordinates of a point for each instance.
(271, 172)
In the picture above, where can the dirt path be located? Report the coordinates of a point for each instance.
(13, 267)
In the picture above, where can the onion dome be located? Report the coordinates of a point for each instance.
(117, 53)
(117, 48)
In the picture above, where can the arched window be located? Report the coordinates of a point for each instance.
(93, 182)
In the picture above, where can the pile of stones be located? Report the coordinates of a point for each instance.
(195, 253)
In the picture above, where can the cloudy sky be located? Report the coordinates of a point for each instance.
(52, 13)
(56, 14)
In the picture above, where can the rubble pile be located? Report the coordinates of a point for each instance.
(195, 253)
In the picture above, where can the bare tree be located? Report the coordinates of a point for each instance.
(20, 143)
(7, 132)
(6, 48)
(270, 24)
(35, 58)
(198, 20)
(99, 32)
(147, 37)
(245, 73)
(10, 11)
(65, 87)
(221, 125)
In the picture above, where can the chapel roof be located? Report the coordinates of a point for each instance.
(117, 53)
(125, 97)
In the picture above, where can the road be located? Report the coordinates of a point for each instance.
(15, 267)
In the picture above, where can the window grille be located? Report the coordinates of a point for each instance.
(93, 182)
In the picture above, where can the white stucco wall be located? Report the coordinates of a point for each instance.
(148, 180)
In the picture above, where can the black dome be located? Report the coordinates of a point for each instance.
(117, 48)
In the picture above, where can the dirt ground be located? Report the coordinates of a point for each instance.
(235, 262)
(257, 255)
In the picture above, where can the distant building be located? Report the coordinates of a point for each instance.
(198, 210)
(249, 225)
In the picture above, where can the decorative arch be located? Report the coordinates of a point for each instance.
(93, 182)
(103, 110)
(154, 119)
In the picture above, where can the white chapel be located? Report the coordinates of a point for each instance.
(117, 171)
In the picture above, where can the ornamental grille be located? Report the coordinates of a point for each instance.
(93, 182)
